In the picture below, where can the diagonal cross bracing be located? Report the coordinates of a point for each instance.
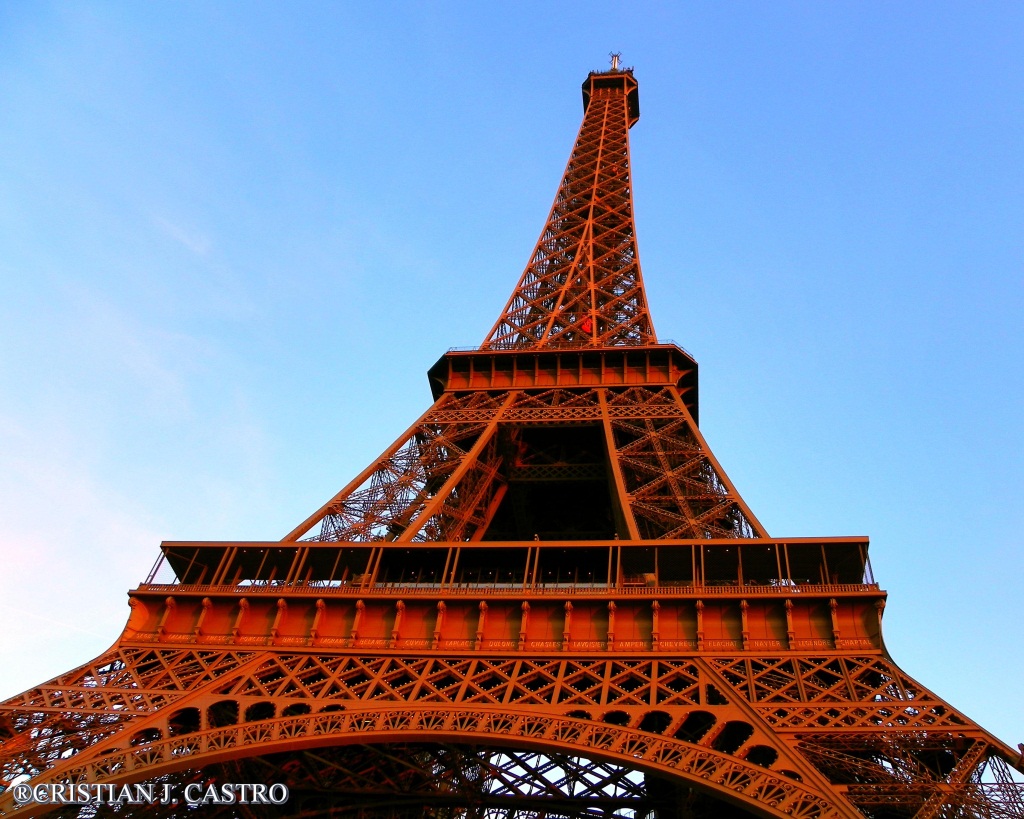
(583, 286)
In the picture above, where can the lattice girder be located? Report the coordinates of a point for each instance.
(761, 791)
(394, 498)
(444, 479)
(637, 709)
(583, 284)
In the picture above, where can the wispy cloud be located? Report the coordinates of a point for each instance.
(22, 612)
(192, 240)
(148, 367)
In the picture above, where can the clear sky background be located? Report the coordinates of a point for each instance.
(233, 237)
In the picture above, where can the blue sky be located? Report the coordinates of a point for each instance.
(233, 237)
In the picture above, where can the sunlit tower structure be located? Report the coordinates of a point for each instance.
(545, 599)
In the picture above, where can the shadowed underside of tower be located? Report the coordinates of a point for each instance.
(544, 599)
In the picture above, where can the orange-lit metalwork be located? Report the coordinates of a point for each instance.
(546, 598)
(582, 285)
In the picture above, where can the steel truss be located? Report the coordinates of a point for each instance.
(431, 780)
(771, 734)
(583, 285)
(441, 481)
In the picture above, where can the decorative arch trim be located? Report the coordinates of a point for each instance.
(759, 790)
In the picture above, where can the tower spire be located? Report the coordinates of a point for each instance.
(582, 285)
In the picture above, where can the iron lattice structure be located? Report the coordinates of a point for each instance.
(545, 599)
(583, 285)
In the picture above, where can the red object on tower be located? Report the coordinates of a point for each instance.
(545, 598)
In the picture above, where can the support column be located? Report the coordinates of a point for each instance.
(624, 505)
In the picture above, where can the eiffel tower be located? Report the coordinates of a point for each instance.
(544, 599)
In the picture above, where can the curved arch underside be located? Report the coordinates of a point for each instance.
(626, 755)
(406, 780)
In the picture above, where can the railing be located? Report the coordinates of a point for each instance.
(528, 347)
(314, 588)
(774, 564)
